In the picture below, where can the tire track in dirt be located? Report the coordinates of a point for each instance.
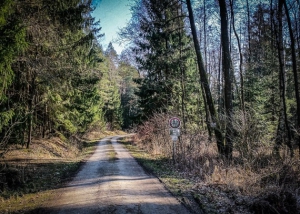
(108, 184)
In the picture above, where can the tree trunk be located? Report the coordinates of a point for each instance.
(248, 28)
(45, 113)
(282, 76)
(31, 91)
(294, 62)
(183, 74)
(204, 80)
(241, 58)
(227, 72)
(207, 115)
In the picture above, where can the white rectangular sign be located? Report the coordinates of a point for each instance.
(175, 132)
(174, 137)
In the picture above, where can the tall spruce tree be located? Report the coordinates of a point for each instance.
(164, 60)
(54, 88)
(127, 90)
(109, 87)
(13, 42)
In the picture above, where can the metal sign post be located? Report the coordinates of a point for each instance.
(174, 124)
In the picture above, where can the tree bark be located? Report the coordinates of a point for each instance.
(182, 71)
(241, 58)
(294, 62)
(282, 76)
(227, 72)
(248, 28)
(204, 81)
(31, 91)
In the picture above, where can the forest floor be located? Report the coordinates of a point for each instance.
(34, 176)
(215, 197)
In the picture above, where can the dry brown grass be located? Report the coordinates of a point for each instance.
(101, 134)
(255, 172)
(28, 177)
(52, 148)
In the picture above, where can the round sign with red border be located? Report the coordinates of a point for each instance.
(174, 122)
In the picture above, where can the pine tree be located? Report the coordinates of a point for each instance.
(61, 38)
(127, 90)
(109, 89)
(12, 37)
(161, 54)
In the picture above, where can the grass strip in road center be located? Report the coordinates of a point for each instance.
(111, 153)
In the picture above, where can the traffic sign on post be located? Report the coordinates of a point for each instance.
(174, 122)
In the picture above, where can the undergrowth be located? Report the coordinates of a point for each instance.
(255, 181)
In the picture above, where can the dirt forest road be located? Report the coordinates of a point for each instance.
(118, 185)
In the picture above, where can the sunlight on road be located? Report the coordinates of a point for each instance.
(118, 186)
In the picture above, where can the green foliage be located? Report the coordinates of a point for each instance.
(109, 92)
(165, 60)
(51, 68)
(168, 80)
(129, 101)
(5, 118)
(261, 79)
(12, 37)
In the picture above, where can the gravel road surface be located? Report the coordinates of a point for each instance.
(114, 185)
